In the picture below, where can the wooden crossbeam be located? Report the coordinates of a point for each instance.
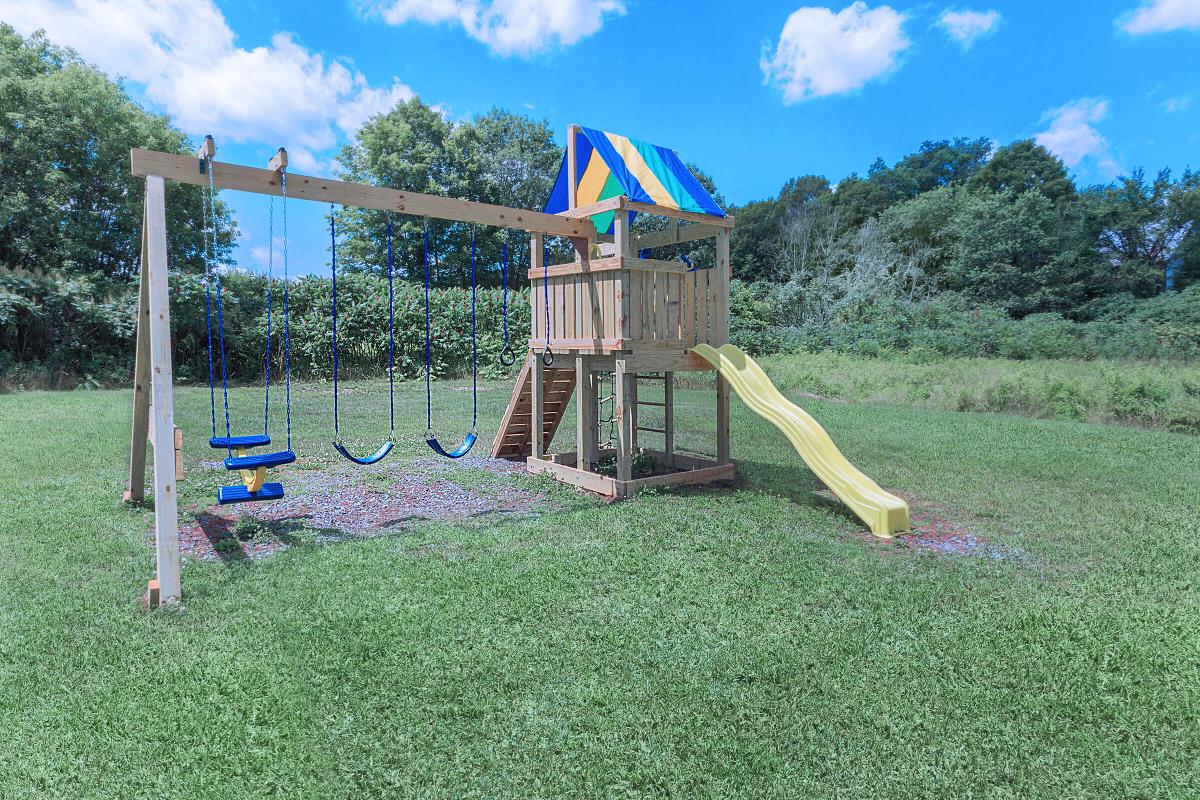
(183, 169)
(676, 235)
(607, 264)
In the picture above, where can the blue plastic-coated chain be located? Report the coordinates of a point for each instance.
(267, 345)
(212, 391)
(287, 333)
(391, 342)
(474, 343)
(547, 356)
(504, 292)
(212, 396)
(333, 272)
(507, 356)
(428, 388)
(212, 199)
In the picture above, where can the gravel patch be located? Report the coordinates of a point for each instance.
(342, 505)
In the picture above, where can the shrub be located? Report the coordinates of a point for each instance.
(63, 332)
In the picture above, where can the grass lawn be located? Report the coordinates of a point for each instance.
(744, 642)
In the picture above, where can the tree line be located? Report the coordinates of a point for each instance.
(959, 220)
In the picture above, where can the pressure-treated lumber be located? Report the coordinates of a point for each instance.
(675, 234)
(720, 333)
(591, 481)
(572, 166)
(183, 169)
(608, 264)
(278, 162)
(166, 514)
(207, 149)
(624, 382)
(564, 467)
(514, 437)
(587, 432)
(135, 487)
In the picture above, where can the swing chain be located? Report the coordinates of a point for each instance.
(507, 356)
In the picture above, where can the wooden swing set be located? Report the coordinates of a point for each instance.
(607, 311)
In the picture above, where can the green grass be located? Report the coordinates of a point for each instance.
(745, 642)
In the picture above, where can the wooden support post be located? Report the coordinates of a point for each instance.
(633, 407)
(625, 403)
(669, 414)
(279, 161)
(537, 260)
(154, 272)
(720, 336)
(178, 454)
(537, 406)
(135, 487)
(587, 434)
(572, 166)
(621, 235)
(722, 420)
(207, 149)
(721, 276)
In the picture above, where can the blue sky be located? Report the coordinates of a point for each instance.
(753, 92)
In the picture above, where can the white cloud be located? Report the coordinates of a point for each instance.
(1174, 105)
(1158, 16)
(1072, 135)
(507, 27)
(821, 53)
(965, 27)
(185, 55)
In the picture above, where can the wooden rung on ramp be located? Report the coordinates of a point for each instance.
(514, 439)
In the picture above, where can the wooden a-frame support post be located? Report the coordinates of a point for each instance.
(153, 403)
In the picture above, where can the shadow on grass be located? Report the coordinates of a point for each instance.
(242, 539)
(795, 483)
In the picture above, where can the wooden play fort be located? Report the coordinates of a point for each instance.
(615, 311)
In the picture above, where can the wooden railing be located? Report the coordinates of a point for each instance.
(618, 303)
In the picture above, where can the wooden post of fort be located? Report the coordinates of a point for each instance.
(587, 433)
(537, 393)
(624, 402)
(720, 336)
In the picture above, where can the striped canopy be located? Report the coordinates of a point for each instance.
(609, 165)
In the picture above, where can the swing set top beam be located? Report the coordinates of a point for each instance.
(186, 169)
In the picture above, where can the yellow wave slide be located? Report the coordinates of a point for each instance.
(885, 514)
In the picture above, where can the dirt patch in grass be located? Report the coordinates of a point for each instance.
(940, 529)
(338, 506)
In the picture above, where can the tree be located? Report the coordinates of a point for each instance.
(925, 228)
(510, 160)
(403, 149)
(944, 163)
(1025, 165)
(1146, 227)
(753, 244)
(497, 157)
(68, 202)
(1019, 251)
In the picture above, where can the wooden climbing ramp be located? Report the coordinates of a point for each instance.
(514, 439)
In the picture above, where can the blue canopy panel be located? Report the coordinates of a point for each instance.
(608, 165)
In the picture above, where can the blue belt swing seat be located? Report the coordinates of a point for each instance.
(390, 442)
(252, 467)
(469, 440)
